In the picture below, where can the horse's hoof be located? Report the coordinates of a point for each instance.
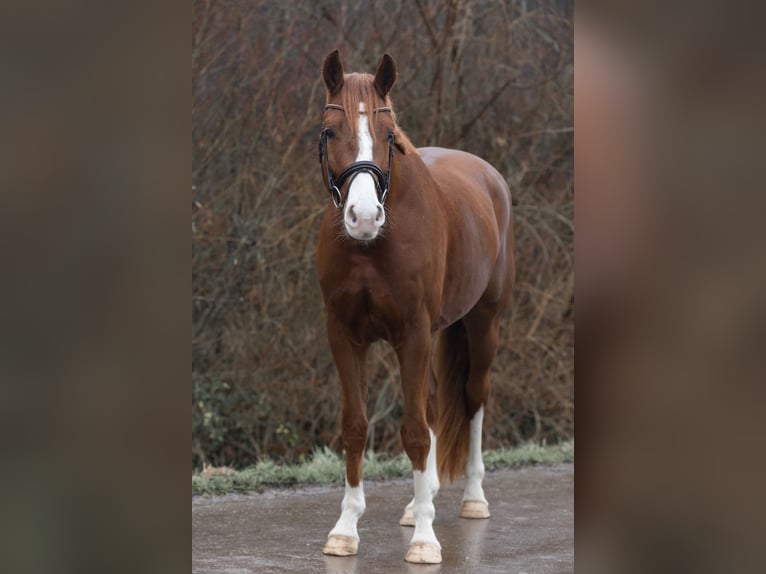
(339, 545)
(408, 518)
(424, 553)
(474, 509)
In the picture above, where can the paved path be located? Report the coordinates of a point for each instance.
(531, 529)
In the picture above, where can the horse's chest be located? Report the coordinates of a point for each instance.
(369, 307)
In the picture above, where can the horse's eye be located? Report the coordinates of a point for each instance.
(330, 133)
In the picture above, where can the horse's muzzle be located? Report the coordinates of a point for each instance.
(363, 226)
(363, 214)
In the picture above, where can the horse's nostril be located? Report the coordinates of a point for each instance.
(352, 214)
(380, 214)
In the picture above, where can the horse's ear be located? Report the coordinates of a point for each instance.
(332, 71)
(386, 75)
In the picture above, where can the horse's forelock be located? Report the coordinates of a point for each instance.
(359, 88)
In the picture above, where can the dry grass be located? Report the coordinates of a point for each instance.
(327, 467)
(485, 77)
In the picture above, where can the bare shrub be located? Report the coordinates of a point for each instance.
(495, 79)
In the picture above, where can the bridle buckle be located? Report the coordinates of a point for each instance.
(337, 198)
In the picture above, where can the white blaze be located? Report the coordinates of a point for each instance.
(363, 214)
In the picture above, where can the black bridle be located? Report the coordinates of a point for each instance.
(382, 180)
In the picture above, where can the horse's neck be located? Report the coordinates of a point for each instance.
(412, 181)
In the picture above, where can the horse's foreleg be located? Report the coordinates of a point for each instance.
(420, 445)
(343, 539)
(408, 517)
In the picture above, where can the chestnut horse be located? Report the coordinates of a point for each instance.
(416, 243)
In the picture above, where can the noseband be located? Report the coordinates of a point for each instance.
(382, 181)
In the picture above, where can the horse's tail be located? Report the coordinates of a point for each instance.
(451, 364)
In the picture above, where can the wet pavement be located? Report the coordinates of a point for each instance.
(531, 530)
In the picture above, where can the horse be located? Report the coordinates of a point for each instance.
(417, 254)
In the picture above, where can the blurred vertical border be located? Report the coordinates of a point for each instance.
(670, 284)
(94, 366)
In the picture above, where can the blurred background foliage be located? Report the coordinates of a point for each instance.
(494, 78)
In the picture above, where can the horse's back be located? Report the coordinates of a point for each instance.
(477, 201)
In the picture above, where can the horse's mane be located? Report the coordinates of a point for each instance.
(359, 88)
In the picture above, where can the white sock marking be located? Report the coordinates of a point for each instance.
(426, 487)
(474, 468)
(352, 508)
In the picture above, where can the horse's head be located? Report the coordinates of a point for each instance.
(356, 144)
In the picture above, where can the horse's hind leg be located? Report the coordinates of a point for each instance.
(482, 331)
(474, 503)
(343, 539)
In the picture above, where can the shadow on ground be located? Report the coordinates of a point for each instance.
(531, 529)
